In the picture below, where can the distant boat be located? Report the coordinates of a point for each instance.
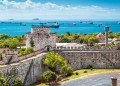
(99, 25)
(36, 19)
(5, 22)
(42, 23)
(18, 22)
(55, 25)
(89, 22)
(80, 21)
(118, 23)
(23, 24)
(72, 24)
(51, 22)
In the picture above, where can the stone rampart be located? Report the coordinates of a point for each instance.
(98, 59)
(26, 70)
(22, 57)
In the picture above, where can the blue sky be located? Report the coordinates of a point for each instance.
(60, 9)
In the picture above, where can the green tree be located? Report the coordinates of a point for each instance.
(17, 82)
(93, 40)
(49, 76)
(0, 56)
(68, 33)
(29, 50)
(64, 40)
(80, 40)
(52, 60)
(31, 43)
(4, 36)
(2, 45)
(23, 51)
(12, 43)
(112, 43)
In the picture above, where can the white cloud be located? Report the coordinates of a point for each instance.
(29, 9)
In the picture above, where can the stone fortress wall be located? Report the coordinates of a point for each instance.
(98, 59)
(29, 68)
(26, 70)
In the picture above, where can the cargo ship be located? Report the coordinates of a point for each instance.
(89, 22)
(55, 25)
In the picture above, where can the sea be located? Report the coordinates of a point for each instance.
(14, 28)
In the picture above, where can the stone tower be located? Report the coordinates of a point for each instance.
(106, 34)
(42, 38)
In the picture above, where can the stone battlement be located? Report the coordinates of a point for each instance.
(39, 28)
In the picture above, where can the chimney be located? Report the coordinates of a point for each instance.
(113, 81)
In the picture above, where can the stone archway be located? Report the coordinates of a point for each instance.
(48, 48)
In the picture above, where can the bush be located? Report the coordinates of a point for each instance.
(23, 51)
(85, 71)
(29, 50)
(0, 56)
(67, 71)
(76, 73)
(31, 43)
(49, 76)
(17, 82)
(89, 67)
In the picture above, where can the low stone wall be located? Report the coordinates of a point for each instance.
(98, 59)
(83, 49)
(29, 54)
(26, 70)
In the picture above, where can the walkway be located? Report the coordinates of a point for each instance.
(103, 79)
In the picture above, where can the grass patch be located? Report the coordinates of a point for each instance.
(46, 84)
(81, 73)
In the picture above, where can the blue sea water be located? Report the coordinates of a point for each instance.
(15, 29)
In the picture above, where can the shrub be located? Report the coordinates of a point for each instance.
(0, 56)
(76, 73)
(31, 43)
(23, 51)
(17, 82)
(67, 71)
(85, 71)
(89, 67)
(49, 76)
(29, 50)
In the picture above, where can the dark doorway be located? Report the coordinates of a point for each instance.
(48, 49)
